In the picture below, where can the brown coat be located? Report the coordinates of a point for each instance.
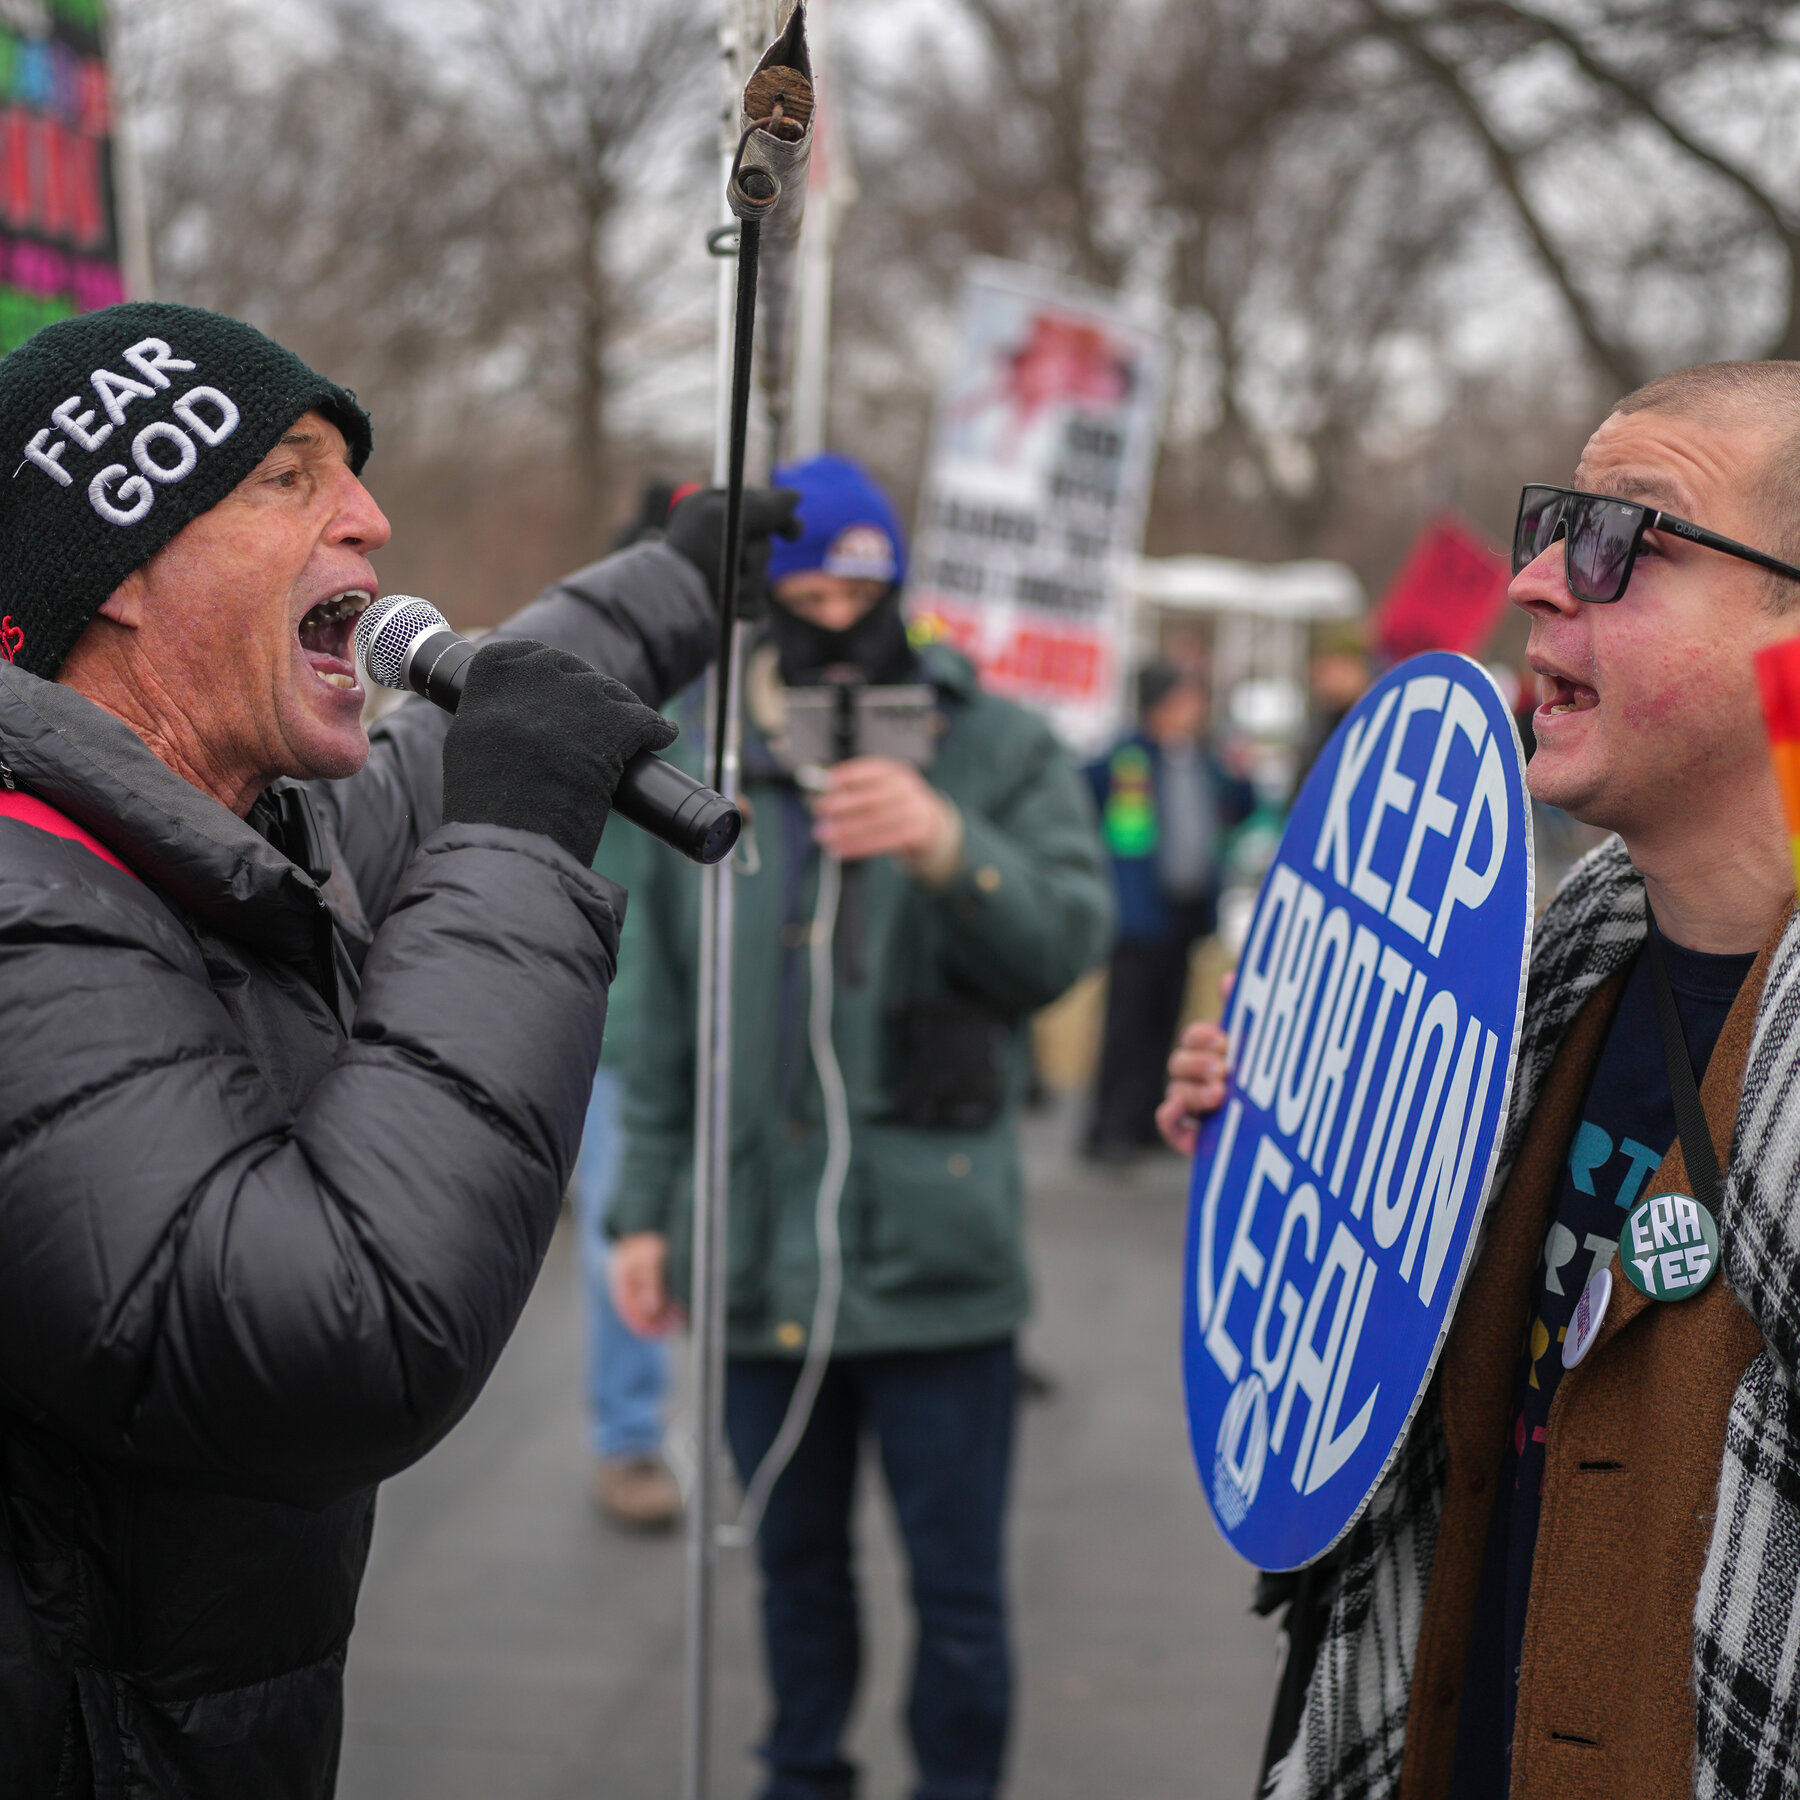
(1636, 1440)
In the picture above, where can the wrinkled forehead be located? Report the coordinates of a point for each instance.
(311, 438)
(1704, 468)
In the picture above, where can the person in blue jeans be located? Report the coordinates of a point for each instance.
(625, 1377)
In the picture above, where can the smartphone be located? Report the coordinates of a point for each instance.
(901, 722)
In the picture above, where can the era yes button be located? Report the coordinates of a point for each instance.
(1670, 1246)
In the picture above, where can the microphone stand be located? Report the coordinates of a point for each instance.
(765, 189)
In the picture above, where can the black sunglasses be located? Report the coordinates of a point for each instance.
(1601, 536)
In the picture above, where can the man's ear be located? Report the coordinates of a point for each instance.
(125, 604)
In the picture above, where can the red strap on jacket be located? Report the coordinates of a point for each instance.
(28, 809)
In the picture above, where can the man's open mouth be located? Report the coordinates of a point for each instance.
(1558, 695)
(325, 636)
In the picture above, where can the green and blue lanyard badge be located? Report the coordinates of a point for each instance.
(1129, 820)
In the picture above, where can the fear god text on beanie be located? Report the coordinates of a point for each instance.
(122, 426)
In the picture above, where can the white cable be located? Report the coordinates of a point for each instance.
(742, 1531)
(746, 859)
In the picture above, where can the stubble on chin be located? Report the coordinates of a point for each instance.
(1558, 780)
(341, 762)
(324, 755)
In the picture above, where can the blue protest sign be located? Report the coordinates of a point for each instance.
(1337, 1193)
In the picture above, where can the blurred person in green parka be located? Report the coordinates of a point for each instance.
(982, 896)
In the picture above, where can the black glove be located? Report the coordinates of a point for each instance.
(539, 742)
(697, 529)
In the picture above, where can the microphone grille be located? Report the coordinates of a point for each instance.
(387, 631)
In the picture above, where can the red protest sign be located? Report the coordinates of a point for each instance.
(1447, 596)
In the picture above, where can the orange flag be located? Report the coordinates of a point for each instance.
(1778, 674)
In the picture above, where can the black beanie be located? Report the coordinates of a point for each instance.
(1155, 683)
(125, 424)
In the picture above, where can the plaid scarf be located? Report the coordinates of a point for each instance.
(1747, 1615)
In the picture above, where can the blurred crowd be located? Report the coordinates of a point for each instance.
(978, 882)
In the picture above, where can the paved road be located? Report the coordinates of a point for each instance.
(512, 1645)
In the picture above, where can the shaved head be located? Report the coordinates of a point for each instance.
(1762, 397)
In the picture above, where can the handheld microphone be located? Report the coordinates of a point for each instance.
(406, 643)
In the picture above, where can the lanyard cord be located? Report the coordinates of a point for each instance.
(1690, 1118)
(826, 1210)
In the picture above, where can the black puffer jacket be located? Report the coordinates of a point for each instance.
(265, 1222)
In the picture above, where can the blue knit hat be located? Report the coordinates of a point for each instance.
(847, 524)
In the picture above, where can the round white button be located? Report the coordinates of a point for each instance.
(1590, 1315)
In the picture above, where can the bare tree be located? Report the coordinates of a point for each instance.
(607, 102)
(1287, 216)
(487, 214)
(460, 213)
(335, 189)
(1333, 195)
(1642, 90)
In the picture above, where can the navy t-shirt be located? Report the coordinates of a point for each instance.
(1627, 1126)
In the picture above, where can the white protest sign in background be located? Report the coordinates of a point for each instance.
(1034, 499)
(1337, 1194)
